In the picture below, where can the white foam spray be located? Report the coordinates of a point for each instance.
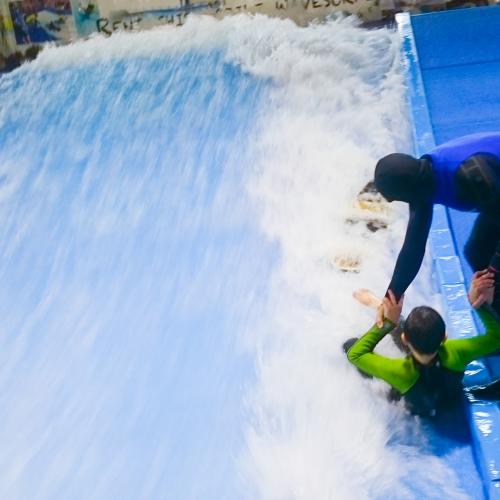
(319, 431)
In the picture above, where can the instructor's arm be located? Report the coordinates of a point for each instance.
(412, 253)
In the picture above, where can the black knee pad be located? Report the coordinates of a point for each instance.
(478, 181)
(477, 259)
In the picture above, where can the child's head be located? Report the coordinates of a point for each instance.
(424, 330)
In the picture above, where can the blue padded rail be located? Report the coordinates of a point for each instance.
(453, 62)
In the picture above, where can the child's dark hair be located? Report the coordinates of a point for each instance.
(424, 329)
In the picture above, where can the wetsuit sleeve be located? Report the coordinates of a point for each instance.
(413, 250)
(399, 373)
(460, 352)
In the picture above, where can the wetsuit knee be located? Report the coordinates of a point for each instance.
(482, 242)
(478, 182)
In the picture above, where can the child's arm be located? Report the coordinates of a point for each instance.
(461, 352)
(457, 354)
(399, 373)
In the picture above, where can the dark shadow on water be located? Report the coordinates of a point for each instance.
(448, 429)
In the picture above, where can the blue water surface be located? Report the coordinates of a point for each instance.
(131, 268)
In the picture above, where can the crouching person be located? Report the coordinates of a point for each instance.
(429, 378)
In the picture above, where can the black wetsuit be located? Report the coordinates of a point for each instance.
(460, 180)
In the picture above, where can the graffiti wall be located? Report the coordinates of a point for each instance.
(27, 24)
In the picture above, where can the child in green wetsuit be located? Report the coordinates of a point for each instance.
(430, 377)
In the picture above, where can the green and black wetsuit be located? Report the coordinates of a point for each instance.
(426, 389)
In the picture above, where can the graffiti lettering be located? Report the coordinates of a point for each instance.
(177, 19)
(108, 27)
(215, 5)
(102, 25)
(245, 7)
(322, 4)
(129, 23)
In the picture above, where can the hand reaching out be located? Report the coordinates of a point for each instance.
(482, 288)
(388, 304)
(388, 308)
(392, 308)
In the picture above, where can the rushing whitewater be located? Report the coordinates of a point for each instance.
(171, 206)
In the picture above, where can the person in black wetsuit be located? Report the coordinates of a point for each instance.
(463, 174)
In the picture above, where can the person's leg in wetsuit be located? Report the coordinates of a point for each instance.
(482, 250)
(482, 242)
(478, 181)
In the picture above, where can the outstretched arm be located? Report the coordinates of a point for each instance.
(398, 373)
(411, 254)
(413, 250)
(461, 352)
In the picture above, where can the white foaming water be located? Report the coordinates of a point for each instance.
(311, 429)
(319, 431)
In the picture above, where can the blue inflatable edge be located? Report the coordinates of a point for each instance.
(484, 416)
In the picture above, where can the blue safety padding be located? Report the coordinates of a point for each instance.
(460, 323)
(453, 61)
(485, 416)
(449, 270)
(440, 215)
(494, 491)
(476, 374)
(455, 297)
(442, 244)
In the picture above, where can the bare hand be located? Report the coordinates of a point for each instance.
(392, 307)
(482, 288)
